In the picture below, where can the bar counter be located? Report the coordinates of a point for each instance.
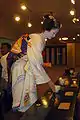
(55, 106)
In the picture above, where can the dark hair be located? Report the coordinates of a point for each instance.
(50, 23)
(7, 44)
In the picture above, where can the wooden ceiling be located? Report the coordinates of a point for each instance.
(37, 8)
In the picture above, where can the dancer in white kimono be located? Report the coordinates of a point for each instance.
(27, 71)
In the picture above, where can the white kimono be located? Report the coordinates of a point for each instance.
(27, 72)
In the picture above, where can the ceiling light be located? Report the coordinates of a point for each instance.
(65, 38)
(73, 1)
(41, 22)
(29, 24)
(59, 38)
(72, 12)
(17, 18)
(23, 7)
(74, 38)
(77, 20)
(78, 34)
(45, 39)
(74, 20)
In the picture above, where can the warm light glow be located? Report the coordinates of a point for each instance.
(44, 102)
(74, 20)
(23, 7)
(78, 34)
(65, 38)
(45, 39)
(17, 18)
(29, 24)
(73, 1)
(38, 104)
(59, 38)
(72, 12)
(77, 20)
(74, 38)
(41, 22)
(74, 82)
(60, 78)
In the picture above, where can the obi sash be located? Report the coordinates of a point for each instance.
(18, 50)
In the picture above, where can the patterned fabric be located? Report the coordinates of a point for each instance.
(23, 85)
(20, 45)
(18, 50)
(27, 72)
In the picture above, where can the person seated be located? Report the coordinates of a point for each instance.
(5, 48)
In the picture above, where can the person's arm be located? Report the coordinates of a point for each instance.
(42, 77)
